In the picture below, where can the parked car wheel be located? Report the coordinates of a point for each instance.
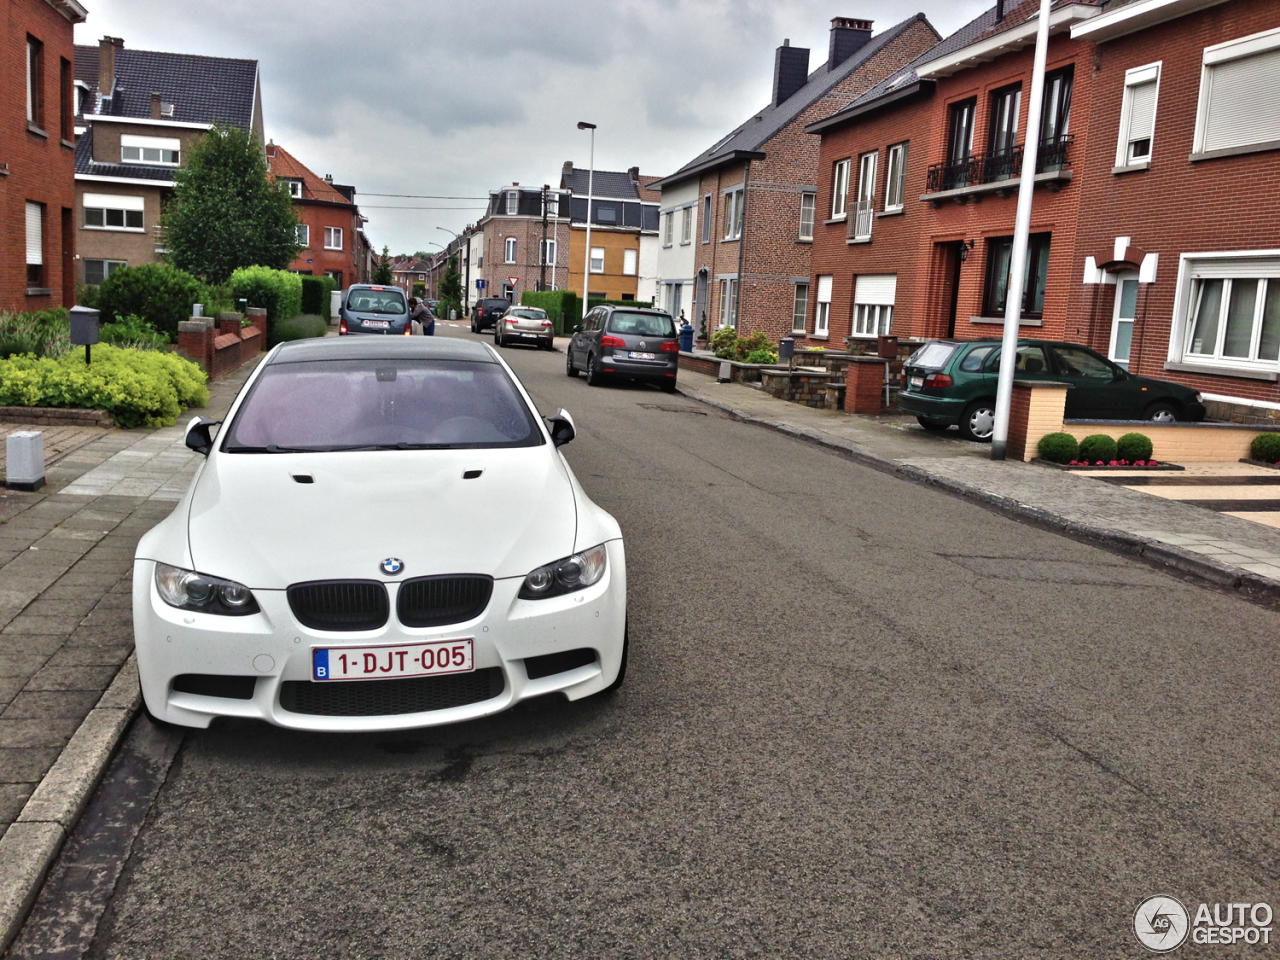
(978, 421)
(934, 425)
(474, 328)
(1162, 413)
(569, 368)
(595, 377)
(668, 386)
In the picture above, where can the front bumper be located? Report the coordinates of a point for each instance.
(274, 648)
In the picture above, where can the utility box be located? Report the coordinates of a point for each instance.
(786, 349)
(887, 347)
(24, 459)
(335, 305)
(84, 326)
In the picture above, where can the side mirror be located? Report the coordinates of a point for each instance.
(1119, 374)
(562, 429)
(197, 437)
(577, 328)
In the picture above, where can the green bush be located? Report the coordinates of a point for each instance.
(1058, 447)
(133, 331)
(1134, 446)
(137, 387)
(419, 289)
(1097, 447)
(724, 343)
(160, 294)
(43, 334)
(301, 327)
(278, 291)
(1266, 447)
(87, 295)
(316, 297)
(444, 306)
(762, 356)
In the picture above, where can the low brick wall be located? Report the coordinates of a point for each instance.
(221, 349)
(1242, 413)
(56, 416)
(738, 372)
(865, 379)
(810, 387)
(1179, 442)
(1035, 411)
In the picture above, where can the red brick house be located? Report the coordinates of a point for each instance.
(758, 196)
(330, 221)
(1178, 243)
(927, 166)
(37, 154)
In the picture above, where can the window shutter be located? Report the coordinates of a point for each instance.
(35, 233)
(1142, 110)
(1244, 102)
(879, 289)
(824, 289)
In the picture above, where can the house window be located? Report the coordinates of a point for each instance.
(304, 235)
(1004, 121)
(822, 315)
(510, 250)
(1126, 311)
(333, 238)
(863, 213)
(733, 207)
(1138, 115)
(1056, 118)
(629, 262)
(295, 189)
(95, 271)
(606, 213)
(513, 203)
(152, 151)
(551, 205)
(873, 297)
(800, 308)
(839, 188)
(1238, 106)
(35, 82)
(107, 211)
(66, 90)
(1233, 319)
(547, 251)
(999, 254)
(895, 184)
(706, 219)
(960, 138)
(597, 259)
(808, 203)
(35, 244)
(686, 225)
(666, 228)
(675, 292)
(728, 303)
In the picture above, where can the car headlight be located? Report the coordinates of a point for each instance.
(188, 590)
(565, 576)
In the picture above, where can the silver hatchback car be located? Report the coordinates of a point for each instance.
(521, 324)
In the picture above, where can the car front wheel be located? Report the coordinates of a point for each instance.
(978, 422)
(1162, 413)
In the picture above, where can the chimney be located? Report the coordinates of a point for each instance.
(634, 174)
(155, 105)
(567, 168)
(328, 178)
(848, 36)
(107, 48)
(790, 71)
(999, 10)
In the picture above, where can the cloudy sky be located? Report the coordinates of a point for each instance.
(454, 99)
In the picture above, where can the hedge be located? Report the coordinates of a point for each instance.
(279, 291)
(139, 388)
(1098, 447)
(316, 295)
(1058, 447)
(301, 327)
(1134, 446)
(564, 307)
(1266, 447)
(160, 294)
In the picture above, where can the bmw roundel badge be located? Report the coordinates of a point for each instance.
(391, 566)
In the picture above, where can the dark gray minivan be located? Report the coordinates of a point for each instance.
(630, 342)
(370, 308)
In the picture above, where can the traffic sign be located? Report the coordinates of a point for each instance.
(513, 280)
(479, 283)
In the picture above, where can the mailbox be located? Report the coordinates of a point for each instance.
(786, 349)
(887, 347)
(84, 326)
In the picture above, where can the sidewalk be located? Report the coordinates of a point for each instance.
(1223, 549)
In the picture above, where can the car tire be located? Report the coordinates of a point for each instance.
(1162, 412)
(977, 423)
(594, 377)
(473, 325)
(932, 425)
(668, 386)
(622, 668)
(569, 368)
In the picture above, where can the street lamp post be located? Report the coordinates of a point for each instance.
(591, 173)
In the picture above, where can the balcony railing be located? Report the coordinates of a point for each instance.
(994, 167)
(863, 217)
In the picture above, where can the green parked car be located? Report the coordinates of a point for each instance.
(949, 382)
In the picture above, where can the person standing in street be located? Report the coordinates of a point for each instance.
(422, 319)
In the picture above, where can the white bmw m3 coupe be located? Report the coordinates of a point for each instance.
(383, 535)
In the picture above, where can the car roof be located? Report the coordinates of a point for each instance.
(623, 306)
(382, 348)
(375, 286)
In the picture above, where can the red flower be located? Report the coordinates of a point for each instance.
(1099, 464)
(1152, 463)
(1139, 463)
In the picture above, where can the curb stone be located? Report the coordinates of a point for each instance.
(33, 841)
(1185, 561)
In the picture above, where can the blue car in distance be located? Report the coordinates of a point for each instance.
(370, 308)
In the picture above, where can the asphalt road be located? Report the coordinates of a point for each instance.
(863, 719)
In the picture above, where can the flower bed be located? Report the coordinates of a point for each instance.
(1101, 466)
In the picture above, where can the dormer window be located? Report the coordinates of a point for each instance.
(294, 187)
(151, 151)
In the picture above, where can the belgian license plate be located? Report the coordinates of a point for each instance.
(380, 324)
(386, 662)
(640, 356)
(528, 335)
(917, 381)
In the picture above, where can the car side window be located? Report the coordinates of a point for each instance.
(1078, 362)
(975, 358)
(1031, 361)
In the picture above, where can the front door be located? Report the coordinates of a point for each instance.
(1122, 318)
(699, 302)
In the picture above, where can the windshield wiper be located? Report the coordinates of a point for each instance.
(273, 448)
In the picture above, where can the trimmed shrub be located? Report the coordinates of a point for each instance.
(1097, 447)
(301, 327)
(139, 388)
(762, 356)
(1266, 447)
(279, 291)
(1058, 447)
(159, 294)
(43, 334)
(316, 295)
(133, 331)
(1134, 446)
(724, 343)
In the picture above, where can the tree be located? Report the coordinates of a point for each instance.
(382, 272)
(451, 284)
(226, 211)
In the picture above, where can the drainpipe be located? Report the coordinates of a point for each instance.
(742, 243)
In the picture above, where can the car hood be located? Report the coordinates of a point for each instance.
(250, 520)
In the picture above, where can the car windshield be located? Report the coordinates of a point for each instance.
(376, 301)
(530, 314)
(642, 324)
(933, 356)
(381, 404)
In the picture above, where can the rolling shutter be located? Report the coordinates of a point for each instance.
(1244, 102)
(35, 233)
(877, 288)
(824, 289)
(1142, 111)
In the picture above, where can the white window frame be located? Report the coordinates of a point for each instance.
(667, 227)
(600, 259)
(1243, 264)
(333, 238)
(800, 308)
(822, 308)
(547, 251)
(1116, 319)
(865, 205)
(873, 314)
(303, 234)
(509, 250)
(895, 183)
(295, 189)
(630, 262)
(729, 302)
(163, 145)
(105, 202)
(808, 213)
(686, 226)
(840, 188)
(1134, 78)
(733, 210)
(513, 203)
(35, 241)
(1221, 53)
